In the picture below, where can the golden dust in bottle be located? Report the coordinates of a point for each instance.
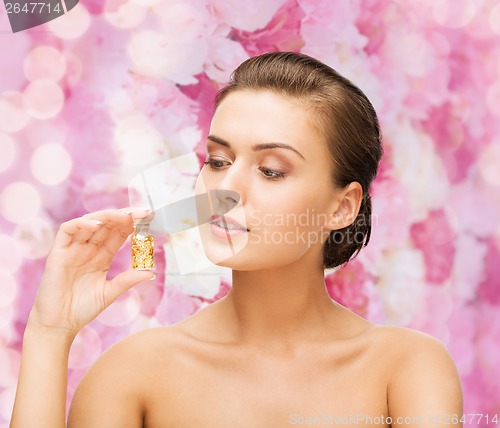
(142, 247)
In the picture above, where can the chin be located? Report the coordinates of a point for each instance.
(222, 250)
(252, 258)
(244, 263)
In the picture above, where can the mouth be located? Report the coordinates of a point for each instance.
(227, 223)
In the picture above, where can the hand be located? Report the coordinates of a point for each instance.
(74, 289)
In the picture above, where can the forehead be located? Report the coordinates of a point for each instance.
(263, 116)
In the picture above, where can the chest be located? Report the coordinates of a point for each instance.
(268, 393)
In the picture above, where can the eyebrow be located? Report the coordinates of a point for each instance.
(257, 147)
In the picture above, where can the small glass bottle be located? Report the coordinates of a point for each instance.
(142, 247)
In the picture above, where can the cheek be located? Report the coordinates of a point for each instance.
(288, 210)
(297, 198)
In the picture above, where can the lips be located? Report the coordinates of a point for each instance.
(227, 222)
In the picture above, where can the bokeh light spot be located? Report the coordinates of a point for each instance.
(154, 54)
(8, 290)
(138, 141)
(448, 14)
(488, 162)
(124, 14)
(494, 19)
(103, 191)
(8, 151)
(34, 238)
(51, 164)
(123, 311)
(6, 316)
(19, 202)
(10, 259)
(13, 117)
(85, 349)
(493, 98)
(43, 99)
(44, 62)
(7, 397)
(72, 25)
(10, 363)
(181, 21)
(119, 104)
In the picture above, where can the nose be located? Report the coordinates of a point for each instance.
(229, 189)
(226, 200)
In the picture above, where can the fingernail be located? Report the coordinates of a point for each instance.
(153, 277)
(93, 221)
(141, 212)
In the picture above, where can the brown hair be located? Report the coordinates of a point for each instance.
(345, 117)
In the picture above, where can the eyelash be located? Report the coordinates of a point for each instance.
(277, 174)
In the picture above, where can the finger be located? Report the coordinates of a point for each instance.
(111, 220)
(77, 229)
(112, 217)
(117, 226)
(117, 238)
(110, 238)
(124, 281)
(116, 218)
(138, 212)
(107, 230)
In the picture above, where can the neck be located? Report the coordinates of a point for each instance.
(281, 307)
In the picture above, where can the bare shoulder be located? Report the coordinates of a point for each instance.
(113, 391)
(404, 345)
(402, 339)
(140, 346)
(423, 380)
(141, 354)
(408, 349)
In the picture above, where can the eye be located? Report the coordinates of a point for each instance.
(215, 163)
(271, 174)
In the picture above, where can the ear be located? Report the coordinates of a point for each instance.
(346, 206)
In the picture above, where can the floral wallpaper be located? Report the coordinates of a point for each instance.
(94, 96)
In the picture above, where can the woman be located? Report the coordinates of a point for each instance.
(292, 139)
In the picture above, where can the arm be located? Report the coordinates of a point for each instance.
(425, 385)
(74, 290)
(42, 380)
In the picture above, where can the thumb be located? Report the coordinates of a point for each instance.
(124, 281)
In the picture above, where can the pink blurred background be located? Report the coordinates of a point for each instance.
(114, 85)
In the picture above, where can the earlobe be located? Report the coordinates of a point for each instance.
(348, 209)
(336, 220)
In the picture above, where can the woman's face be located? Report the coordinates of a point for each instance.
(262, 147)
